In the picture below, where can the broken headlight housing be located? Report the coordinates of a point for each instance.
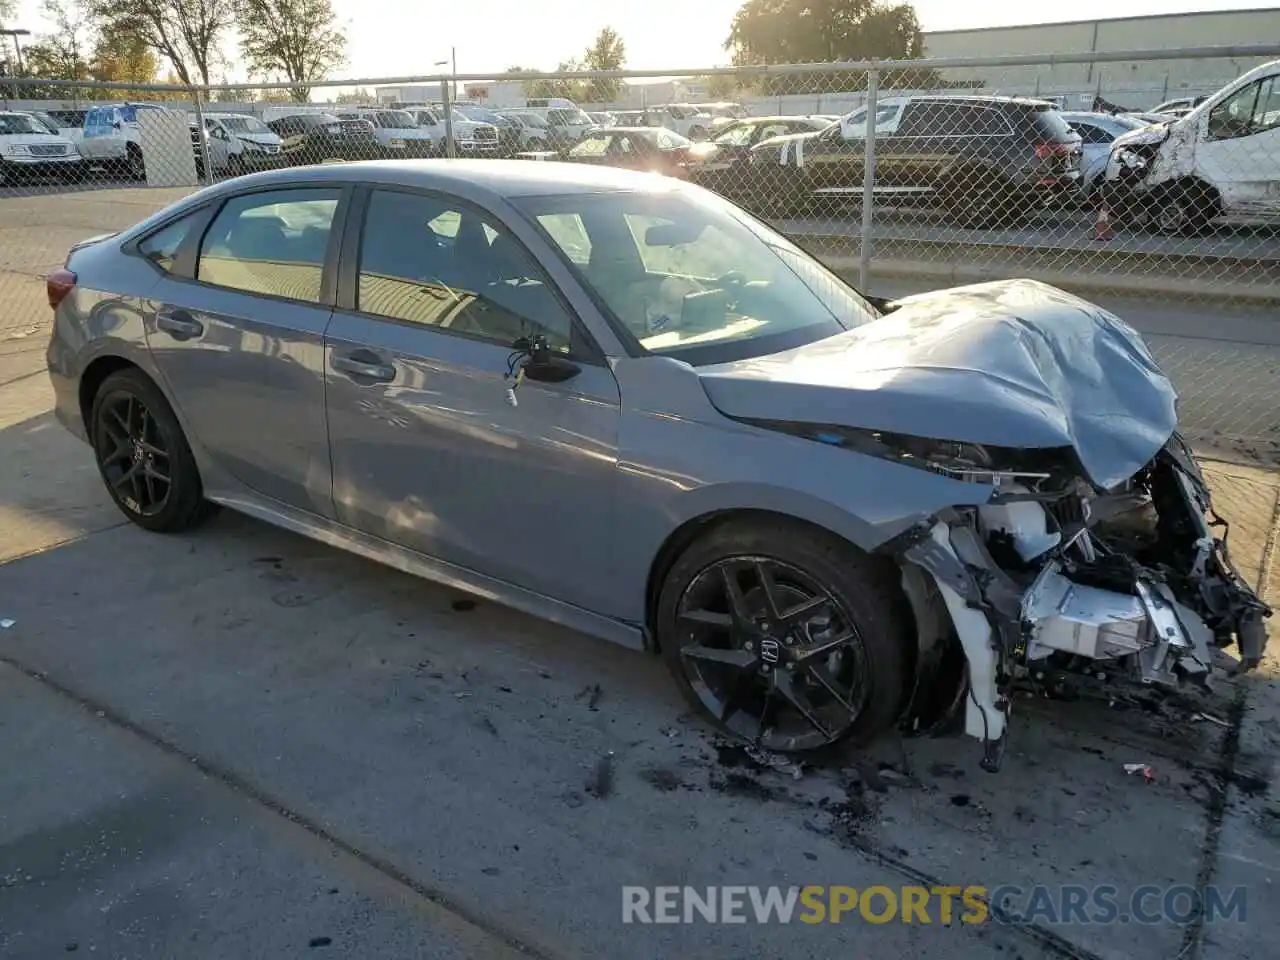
(967, 462)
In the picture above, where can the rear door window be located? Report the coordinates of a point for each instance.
(273, 243)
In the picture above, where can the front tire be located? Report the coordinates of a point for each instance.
(136, 166)
(1183, 210)
(143, 456)
(786, 636)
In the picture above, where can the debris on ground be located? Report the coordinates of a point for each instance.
(775, 761)
(591, 694)
(600, 783)
(1147, 771)
(670, 732)
(463, 605)
(6, 624)
(1211, 718)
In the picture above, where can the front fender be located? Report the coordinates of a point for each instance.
(680, 460)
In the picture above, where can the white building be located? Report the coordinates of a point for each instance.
(1136, 84)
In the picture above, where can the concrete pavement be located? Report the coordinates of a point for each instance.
(205, 735)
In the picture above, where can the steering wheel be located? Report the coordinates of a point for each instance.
(732, 283)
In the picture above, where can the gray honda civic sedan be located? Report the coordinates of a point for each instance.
(616, 401)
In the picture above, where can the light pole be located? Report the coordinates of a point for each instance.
(447, 100)
(17, 49)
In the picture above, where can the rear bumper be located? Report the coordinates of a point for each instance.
(66, 387)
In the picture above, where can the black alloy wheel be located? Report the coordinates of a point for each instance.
(786, 636)
(143, 456)
(133, 455)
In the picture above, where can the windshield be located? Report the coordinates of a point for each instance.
(244, 125)
(19, 123)
(395, 119)
(46, 121)
(690, 276)
(533, 120)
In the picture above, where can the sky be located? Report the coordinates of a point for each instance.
(403, 37)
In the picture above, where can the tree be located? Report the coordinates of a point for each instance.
(607, 52)
(299, 38)
(357, 96)
(564, 87)
(120, 57)
(828, 31)
(184, 32)
(62, 54)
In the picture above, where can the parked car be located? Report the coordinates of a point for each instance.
(565, 125)
(397, 132)
(603, 119)
(636, 148)
(986, 160)
(721, 163)
(1218, 164)
(70, 122)
(1097, 132)
(237, 143)
(313, 137)
(535, 133)
(509, 131)
(722, 113)
(470, 138)
(617, 402)
(683, 118)
(28, 149)
(1180, 106)
(111, 138)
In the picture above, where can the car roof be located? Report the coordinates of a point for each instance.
(497, 178)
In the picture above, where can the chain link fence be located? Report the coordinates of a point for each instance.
(924, 174)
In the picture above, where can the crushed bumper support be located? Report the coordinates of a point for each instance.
(1135, 585)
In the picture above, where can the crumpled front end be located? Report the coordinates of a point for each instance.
(1052, 576)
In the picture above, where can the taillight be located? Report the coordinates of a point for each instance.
(1052, 148)
(57, 285)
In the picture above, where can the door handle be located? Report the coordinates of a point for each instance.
(179, 324)
(363, 366)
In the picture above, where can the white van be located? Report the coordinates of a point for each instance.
(27, 148)
(470, 137)
(1219, 163)
(238, 142)
(398, 132)
(683, 118)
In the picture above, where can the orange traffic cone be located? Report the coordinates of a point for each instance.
(1102, 230)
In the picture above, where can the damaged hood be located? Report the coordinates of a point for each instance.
(1015, 363)
(1144, 136)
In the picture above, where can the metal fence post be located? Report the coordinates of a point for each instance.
(203, 138)
(446, 98)
(868, 182)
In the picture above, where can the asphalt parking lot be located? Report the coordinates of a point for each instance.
(239, 743)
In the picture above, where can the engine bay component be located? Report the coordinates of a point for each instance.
(1136, 579)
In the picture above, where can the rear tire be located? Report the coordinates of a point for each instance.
(979, 200)
(143, 456)
(818, 652)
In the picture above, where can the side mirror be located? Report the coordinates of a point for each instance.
(853, 131)
(544, 366)
(116, 125)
